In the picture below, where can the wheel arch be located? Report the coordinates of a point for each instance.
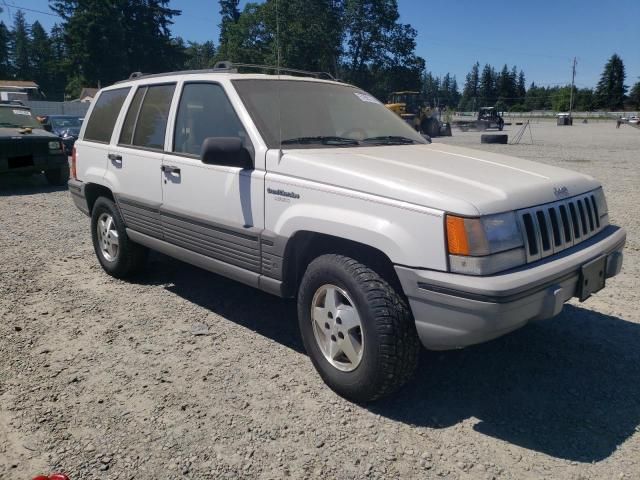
(305, 246)
(93, 191)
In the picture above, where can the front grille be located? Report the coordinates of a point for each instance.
(23, 146)
(553, 227)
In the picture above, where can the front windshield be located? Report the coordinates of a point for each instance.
(16, 117)
(316, 114)
(66, 122)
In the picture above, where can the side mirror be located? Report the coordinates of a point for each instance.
(227, 151)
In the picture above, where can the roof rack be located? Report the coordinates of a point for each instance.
(230, 67)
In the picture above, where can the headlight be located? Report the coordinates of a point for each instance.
(601, 205)
(55, 146)
(485, 245)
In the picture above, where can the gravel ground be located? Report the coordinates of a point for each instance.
(104, 379)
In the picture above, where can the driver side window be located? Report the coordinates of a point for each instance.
(205, 111)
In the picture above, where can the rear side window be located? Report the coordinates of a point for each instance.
(104, 115)
(205, 111)
(146, 122)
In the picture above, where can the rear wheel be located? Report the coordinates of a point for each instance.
(117, 254)
(57, 176)
(357, 330)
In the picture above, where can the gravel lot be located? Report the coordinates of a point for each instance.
(104, 380)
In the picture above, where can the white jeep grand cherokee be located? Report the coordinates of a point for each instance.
(312, 189)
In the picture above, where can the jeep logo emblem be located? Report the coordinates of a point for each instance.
(561, 192)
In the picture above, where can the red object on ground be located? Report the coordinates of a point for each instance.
(55, 476)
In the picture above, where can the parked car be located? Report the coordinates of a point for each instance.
(27, 148)
(634, 120)
(385, 241)
(67, 127)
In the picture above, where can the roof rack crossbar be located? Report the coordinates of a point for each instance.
(229, 67)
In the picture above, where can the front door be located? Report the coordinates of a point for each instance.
(213, 210)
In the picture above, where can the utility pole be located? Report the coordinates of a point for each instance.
(573, 81)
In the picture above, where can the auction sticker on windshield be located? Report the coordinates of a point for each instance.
(366, 98)
(22, 112)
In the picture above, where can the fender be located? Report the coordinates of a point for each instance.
(398, 229)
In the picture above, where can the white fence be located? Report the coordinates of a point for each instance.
(58, 108)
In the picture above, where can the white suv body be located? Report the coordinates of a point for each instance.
(476, 244)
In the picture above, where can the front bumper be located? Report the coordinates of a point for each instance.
(454, 311)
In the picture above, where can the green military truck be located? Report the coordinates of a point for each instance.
(27, 148)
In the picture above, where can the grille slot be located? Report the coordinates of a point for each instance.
(553, 227)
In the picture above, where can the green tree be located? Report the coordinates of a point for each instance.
(634, 96)
(310, 33)
(431, 89)
(199, 55)
(20, 47)
(106, 41)
(41, 57)
(5, 50)
(380, 51)
(471, 89)
(230, 15)
(487, 88)
(611, 88)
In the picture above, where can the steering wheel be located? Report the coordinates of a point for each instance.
(361, 133)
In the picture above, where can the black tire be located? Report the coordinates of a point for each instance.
(57, 176)
(390, 341)
(430, 127)
(131, 257)
(494, 138)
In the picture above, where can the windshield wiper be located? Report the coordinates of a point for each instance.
(321, 140)
(389, 140)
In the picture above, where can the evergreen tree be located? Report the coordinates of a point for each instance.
(5, 48)
(230, 14)
(106, 41)
(310, 33)
(611, 88)
(41, 58)
(521, 88)
(431, 89)
(471, 89)
(199, 55)
(634, 96)
(487, 88)
(20, 48)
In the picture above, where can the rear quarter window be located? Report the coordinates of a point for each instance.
(104, 115)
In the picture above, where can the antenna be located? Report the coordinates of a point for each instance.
(278, 63)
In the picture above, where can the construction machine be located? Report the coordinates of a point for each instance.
(488, 117)
(412, 108)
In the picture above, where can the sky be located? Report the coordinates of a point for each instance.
(541, 37)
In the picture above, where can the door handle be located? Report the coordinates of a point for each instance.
(115, 159)
(170, 169)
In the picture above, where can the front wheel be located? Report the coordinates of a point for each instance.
(357, 330)
(118, 255)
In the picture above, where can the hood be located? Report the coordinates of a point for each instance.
(36, 133)
(444, 177)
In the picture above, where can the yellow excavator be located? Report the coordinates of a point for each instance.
(412, 108)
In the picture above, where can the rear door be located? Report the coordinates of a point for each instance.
(94, 147)
(135, 162)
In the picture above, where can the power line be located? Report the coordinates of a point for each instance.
(10, 5)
